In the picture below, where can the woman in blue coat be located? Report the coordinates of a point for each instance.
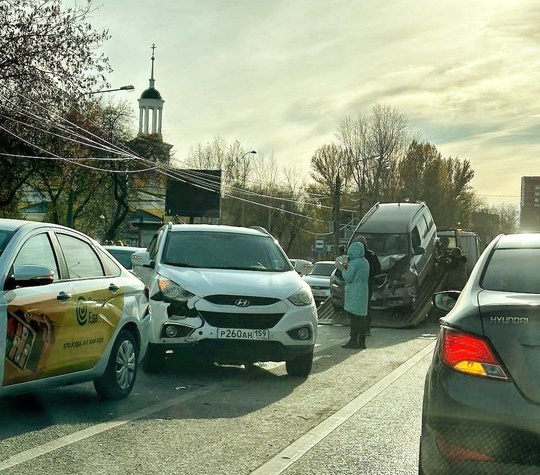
(356, 276)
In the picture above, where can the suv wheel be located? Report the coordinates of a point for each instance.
(119, 376)
(153, 359)
(300, 365)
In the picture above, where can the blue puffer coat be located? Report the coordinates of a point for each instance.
(356, 278)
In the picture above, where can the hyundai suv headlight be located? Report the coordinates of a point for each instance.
(172, 291)
(301, 298)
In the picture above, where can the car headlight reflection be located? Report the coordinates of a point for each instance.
(172, 291)
(301, 298)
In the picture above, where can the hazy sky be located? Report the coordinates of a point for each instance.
(279, 75)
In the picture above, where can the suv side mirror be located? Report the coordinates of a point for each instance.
(142, 259)
(419, 250)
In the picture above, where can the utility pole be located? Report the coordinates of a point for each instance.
(244, 179)
(337, 212)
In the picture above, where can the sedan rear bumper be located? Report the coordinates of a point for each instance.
(476, 425)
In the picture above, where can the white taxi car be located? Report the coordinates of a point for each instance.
(226, 294)
(68, 312)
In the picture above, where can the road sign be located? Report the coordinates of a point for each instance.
(319, 245)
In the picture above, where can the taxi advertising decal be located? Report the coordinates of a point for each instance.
(48, 338)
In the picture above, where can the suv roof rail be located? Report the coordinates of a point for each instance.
(261, 229)
(369, 212)
(169, 225)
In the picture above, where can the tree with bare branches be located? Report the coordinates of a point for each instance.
(372, 144)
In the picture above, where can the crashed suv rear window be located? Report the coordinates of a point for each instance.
(513, 270)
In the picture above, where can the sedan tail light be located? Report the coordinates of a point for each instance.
(470, 354)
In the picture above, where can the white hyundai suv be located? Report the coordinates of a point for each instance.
(228, 295)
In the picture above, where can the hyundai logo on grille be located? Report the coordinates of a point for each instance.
(242, 303)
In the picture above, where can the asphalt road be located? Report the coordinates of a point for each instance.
(358, 412)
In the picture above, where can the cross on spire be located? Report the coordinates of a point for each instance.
(153, 58)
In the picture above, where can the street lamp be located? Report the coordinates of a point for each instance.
(244, 178)
(128, 88)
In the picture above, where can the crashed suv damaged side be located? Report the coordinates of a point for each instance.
(403, 236)
(398, 283)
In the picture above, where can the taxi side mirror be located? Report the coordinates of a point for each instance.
(30, 276)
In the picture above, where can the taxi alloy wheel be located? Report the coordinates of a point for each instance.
(119, 377)
(125, 364)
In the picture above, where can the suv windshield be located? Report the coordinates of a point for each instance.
(222, 250)
(384, 244)
(513, 270)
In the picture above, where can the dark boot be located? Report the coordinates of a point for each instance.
(355, 328)
(368, 317)
(361, 338)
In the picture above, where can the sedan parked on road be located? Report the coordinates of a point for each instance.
(123, 254)
(319, 279)
(68, 312)
(481, 410)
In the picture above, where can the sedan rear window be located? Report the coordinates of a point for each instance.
(324, 269)
(123, 256)
(513, 270)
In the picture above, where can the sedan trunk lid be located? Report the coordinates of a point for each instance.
(511, 322)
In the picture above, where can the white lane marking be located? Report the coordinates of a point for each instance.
(52, 445)
(293, 452)
(99, 428)
(47, 447)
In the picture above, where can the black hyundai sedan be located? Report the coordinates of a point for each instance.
(481, 408)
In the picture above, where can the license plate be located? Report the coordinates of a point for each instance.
(242, 334)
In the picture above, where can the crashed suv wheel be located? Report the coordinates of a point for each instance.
(413, 302)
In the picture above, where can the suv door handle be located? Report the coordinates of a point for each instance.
(63, 296)
(113, 287)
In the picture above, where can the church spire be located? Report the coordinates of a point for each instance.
(151, 106)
